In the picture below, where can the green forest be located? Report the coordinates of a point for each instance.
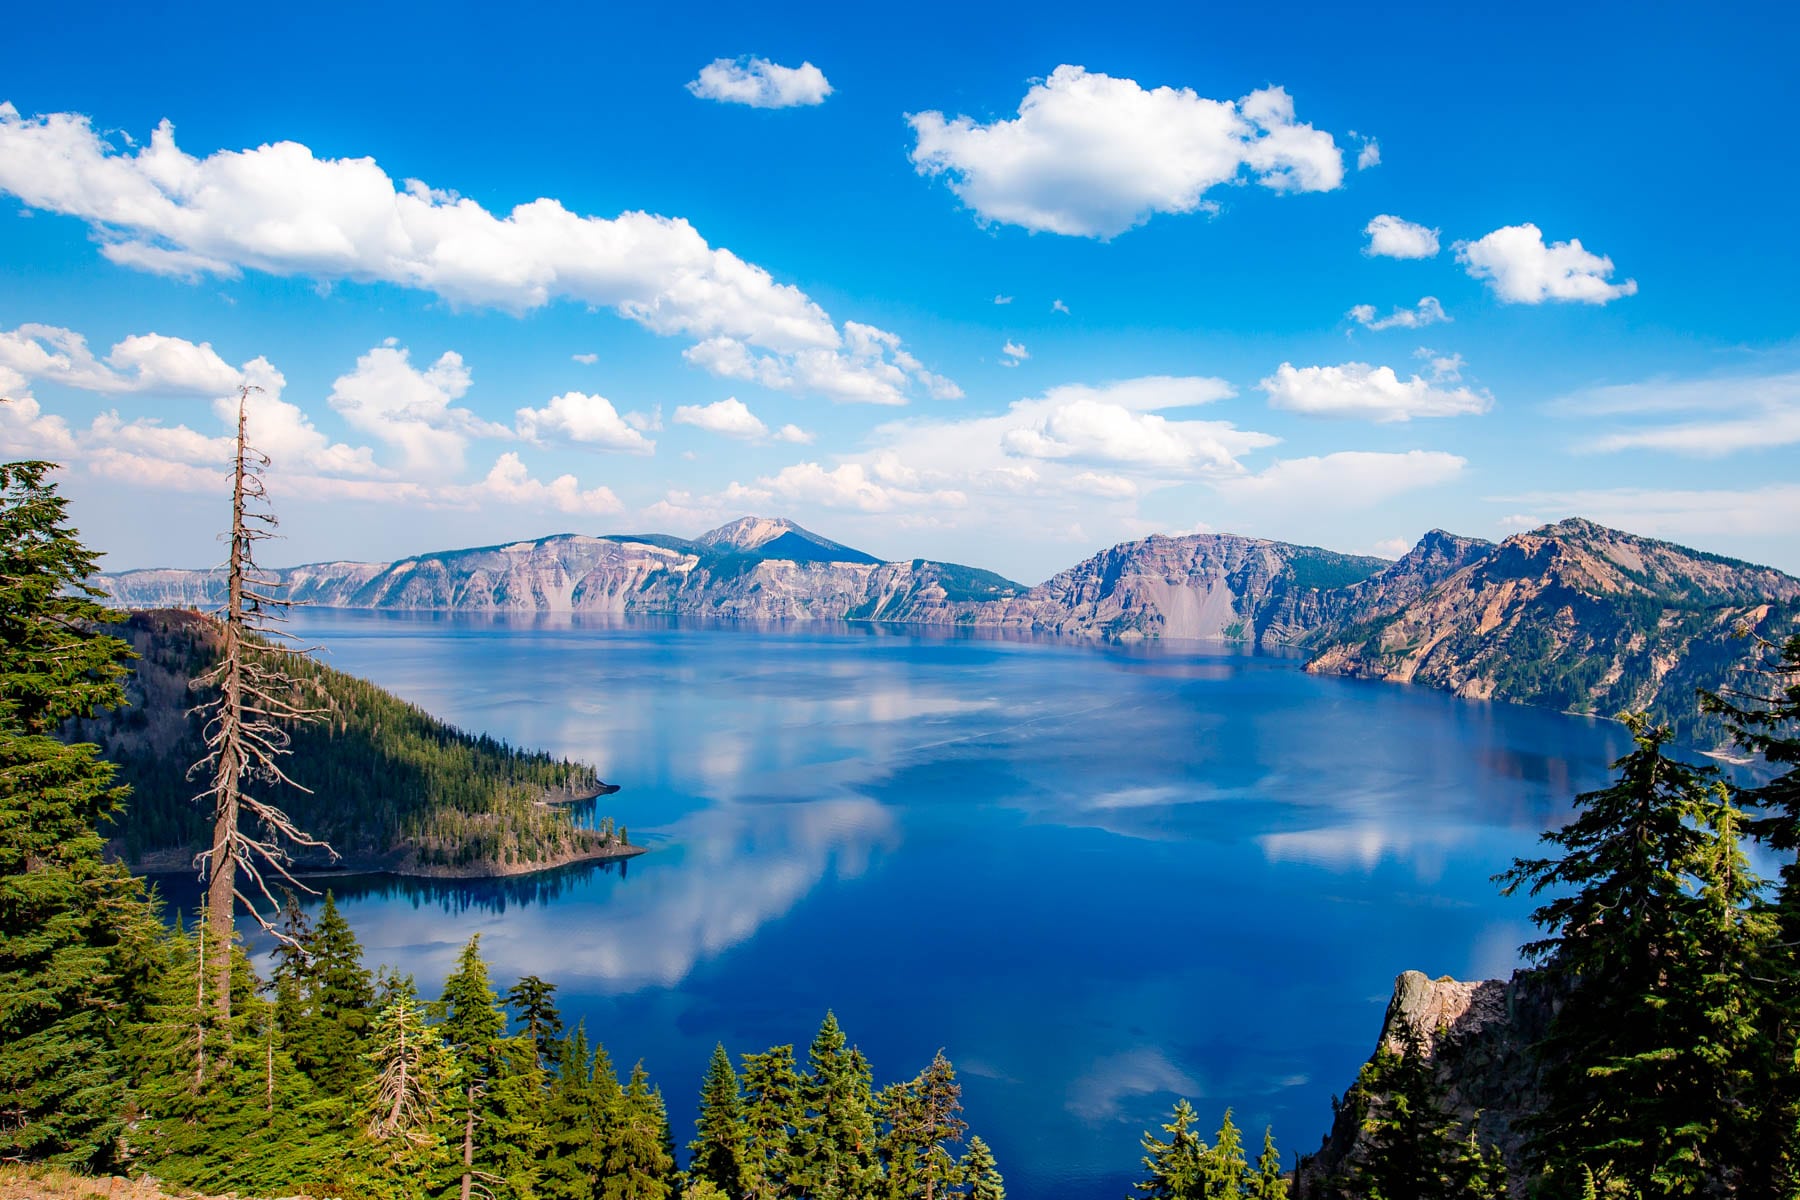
(1670, 1065)
(386, 784)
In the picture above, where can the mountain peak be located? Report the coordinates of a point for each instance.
(747, 533)
(780, 538)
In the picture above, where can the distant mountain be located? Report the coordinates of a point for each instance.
(392, 788)
(1573, 616)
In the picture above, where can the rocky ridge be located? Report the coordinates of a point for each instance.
(1573, 616)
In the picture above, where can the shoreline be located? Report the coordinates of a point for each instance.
(170, 861)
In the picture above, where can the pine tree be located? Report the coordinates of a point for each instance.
(636, 1164)
(1222, 1166)
(574, 1119)
(834, 1140)
(341, 997)
(980, 1174)
(1409, 1138)
(75, 932)
(718, 1147)
(412, 1076)
(1173, 1166)
(1267, 1183)
(533, 1005)
(1629, 1090)
(924, 1121)
(1765, 720)
(473, 1025)
(771, 1109)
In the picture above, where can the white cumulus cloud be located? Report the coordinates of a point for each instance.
(1393, 237)
(1012, 354)
(1090, 155)
(1356, 389)
(413, 410)
(760, 83)
(279, 209)
(1521, 269)
(142, 362)
(730, 417)
(510, 482)
(590, 420)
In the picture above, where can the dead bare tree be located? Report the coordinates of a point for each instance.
(245, 726)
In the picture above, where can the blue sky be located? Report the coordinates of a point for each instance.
(619, 297)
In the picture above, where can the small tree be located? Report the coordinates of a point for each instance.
(245, 729)
(718, 1146)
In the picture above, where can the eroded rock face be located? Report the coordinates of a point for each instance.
(1578, 617)
(1478, 1035)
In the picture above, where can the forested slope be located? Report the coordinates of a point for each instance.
(391, 787)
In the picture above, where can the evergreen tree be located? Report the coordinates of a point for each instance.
(1411, 1151)
(1765, 720)
(718, 1148)
(924, 1121)
(574, 1119)
(771, 1108)
(1173, 1166)
(1630, 1090)
(834, 1156)
(636, 1164)
(1267, 1183)
(1222, 1166)
(341, 998)
(533, 1005)
(75, 932)
(412, 1075)
(980, 1174)
(473, 1025)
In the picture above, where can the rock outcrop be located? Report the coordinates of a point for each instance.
(1574, 616)
(1478, 1037)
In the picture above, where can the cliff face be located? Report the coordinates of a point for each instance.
(1573, 616)
(1478, 1037)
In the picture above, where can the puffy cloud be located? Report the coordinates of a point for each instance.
(1445, 368)
(589, 420)
(413, 410)
(279, 209)
(1369, 155)
(1347, 479)
(794, 434)
(1521, 269)
(730, 417)
(511, 483)
(760, 83)
(1357, 389)
(1093, 431)
(1426, 312)
(1092, 156)
(1392, 237)
(26, 431)
(1012, 354)
(143, 362)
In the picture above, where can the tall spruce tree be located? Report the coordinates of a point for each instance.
(834, 1155)
(533, 1005)
(924, 1123)
(1764, 718)
(76, 935)
(771, 1108)
(718, 1148)
(574, 1120)
(1173, 1165)
(636, 1163)
(1268, 1182)
(981, 1178)
(1631, 1091)
(329, 1044)
(473, 1026)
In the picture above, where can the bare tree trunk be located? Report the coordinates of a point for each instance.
(468, 1179)
(200, 1011)
(245, 732)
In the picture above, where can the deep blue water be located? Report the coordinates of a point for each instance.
(1098, 877)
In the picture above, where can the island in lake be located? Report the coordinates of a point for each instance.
(389, 787)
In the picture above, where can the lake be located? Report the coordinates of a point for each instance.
(1100, 877)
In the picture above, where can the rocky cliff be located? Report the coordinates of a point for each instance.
(1573, 616)
(1478, 1037)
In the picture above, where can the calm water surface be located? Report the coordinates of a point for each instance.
(1098, 877)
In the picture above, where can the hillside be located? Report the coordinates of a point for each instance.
(392, 788)
(1577, 617)
(1573, 616)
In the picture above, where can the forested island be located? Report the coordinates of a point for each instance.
(388, 786)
